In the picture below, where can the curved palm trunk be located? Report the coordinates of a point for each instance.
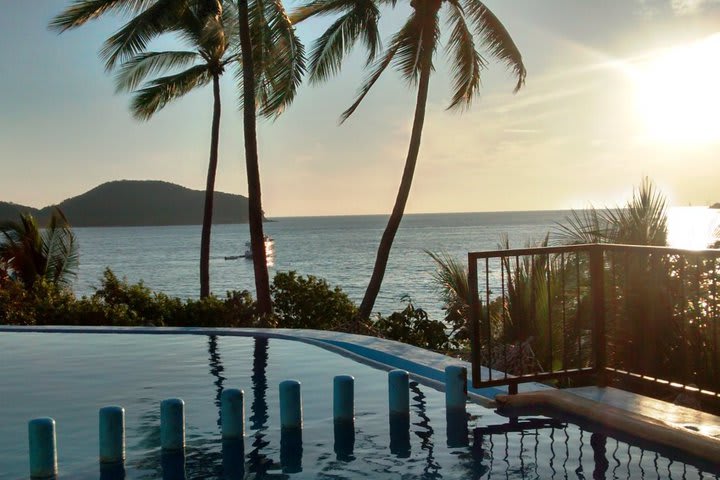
(210, 193)
(257, 238)
(394, 221)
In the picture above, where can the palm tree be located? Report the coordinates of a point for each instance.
(411, 51)
(273, 63)
(30, 253)
(204, 29)
(277, 55)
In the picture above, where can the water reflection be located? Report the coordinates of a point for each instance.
(291, 450)
(112, 472)
(233, 459)
(258, 463)
(216, 370)
(344, 434)
(431, 469)
(400, 435)
(173, 466)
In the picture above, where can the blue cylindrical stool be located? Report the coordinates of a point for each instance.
(172, 425)
(232, 413)
(112, 434)
(399, 392)
(344, 399)
(43, 448)
(290, 404)
(455, 388)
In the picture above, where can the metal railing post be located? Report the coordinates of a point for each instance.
(597, 290)
(474, 321)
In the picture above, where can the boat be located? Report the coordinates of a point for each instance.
(269, 243)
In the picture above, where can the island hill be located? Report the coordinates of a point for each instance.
(138, 203)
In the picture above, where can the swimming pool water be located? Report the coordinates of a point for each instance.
(70, 376)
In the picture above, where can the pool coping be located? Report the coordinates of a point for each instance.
(424, 366)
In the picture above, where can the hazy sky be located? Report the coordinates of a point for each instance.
(616, 89)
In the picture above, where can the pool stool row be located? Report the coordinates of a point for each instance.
(42, 439)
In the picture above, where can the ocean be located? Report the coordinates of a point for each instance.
(339, 249)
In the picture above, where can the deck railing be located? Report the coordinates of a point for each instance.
(647, 317)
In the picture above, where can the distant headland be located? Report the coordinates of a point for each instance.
(715, 205)
(138, 203)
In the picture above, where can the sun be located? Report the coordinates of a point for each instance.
(678, 94)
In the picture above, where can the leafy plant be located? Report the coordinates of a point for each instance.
(451, 281)
(641, 221)
(309, 302)
(28, 253)
(413, 326)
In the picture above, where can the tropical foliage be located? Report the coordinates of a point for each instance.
(451, 281)
(301, 302)
(412, 325)
(309, 302)
(641, 221)
(273, 59)
(411, 51)
(29, 253)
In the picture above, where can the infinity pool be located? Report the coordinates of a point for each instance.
(70, 376)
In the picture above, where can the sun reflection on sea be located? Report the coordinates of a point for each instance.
(693, 228)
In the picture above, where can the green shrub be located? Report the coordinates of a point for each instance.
(300, 302)
(119, 303)
(309, 302)
(236, 310)
(148, 307)
(413, 326)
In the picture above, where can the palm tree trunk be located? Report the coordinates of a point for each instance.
(210, 193)
(257, 237)
(393, 224)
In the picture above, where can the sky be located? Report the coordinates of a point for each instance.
(616, 90)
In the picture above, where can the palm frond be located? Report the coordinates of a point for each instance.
(133, 72)
(319, 8)
(410, 52)
(583, 226)
(377, 70)
(278, 57)
(451, 281)
(82, 11)
(642, 221)
(467, 62)
(496, 39)
(21, 248)
(213, 38)
(283, 73)
(134, 36)
(163, 90)
(59, 247)
(331, 47)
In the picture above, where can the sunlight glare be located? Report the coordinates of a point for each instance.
(694, 228)
(678, 96)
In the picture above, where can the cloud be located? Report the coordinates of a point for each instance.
(686, 7)
(679, 7)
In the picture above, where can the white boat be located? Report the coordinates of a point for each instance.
(269, 249)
